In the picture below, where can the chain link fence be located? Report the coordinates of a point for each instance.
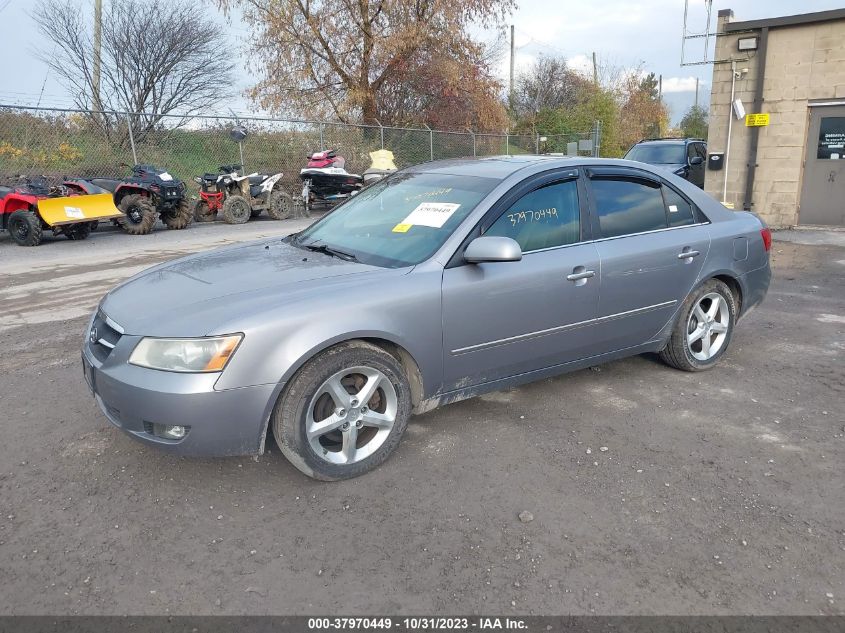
(59, 143)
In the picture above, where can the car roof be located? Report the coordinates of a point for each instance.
(494, 166)
(502, 167)
(669, 141)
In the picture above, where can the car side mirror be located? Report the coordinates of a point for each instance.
(696, 160)
(492, 249)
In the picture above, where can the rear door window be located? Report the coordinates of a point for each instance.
(627, 206)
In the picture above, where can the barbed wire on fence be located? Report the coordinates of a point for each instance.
(62, 142)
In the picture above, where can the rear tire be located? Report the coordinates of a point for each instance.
(139, 214)
(25, 228)
(79, 231)
(202, 212)
(178, 218)
(236, 210)
(281, 205)
(372, 428)
(703, 330)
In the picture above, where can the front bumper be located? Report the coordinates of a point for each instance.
(227, 422)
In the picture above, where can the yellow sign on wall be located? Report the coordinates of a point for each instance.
(756, 120)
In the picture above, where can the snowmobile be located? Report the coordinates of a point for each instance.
(326, 180)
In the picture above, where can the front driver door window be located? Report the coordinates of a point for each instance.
(503, 319)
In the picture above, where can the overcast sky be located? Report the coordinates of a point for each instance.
(624, 33)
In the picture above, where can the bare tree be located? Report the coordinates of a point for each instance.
(157, 58)
(549, 85)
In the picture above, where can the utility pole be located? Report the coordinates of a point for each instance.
(696, 92)
(98, 44)
(595, 70)
(510, 91)
(660, 87)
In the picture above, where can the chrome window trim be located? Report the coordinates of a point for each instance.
(616, 237)
(559, 328)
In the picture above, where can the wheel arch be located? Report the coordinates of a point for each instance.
(384, 341)
(732, 281)
(126, 190)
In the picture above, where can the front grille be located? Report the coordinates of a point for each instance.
(103, 336)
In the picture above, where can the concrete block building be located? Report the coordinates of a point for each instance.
(789, 166)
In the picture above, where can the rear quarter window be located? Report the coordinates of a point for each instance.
(678, 210)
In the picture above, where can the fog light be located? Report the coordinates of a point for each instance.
(170, 431)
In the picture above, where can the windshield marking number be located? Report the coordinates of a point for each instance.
(519, 217)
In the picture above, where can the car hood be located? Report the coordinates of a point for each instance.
(193, 295)
(673, 167)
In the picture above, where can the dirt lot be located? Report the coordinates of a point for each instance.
(718, 493)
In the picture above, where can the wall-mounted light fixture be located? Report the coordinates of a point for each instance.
(747, 44)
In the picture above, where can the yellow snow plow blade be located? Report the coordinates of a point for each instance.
(73, 209)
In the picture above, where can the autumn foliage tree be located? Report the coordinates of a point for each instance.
(388, 61)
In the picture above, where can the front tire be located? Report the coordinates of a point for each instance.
(25, 228)
(202, 212)
(281, 205)
(178, 218)
(236, 210)
(344, 411)
(139, 214)
(704, 328)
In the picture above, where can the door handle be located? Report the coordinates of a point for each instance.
(688, 254)
(584, 274)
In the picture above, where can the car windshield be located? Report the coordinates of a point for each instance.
(659, 153)
(400, 221)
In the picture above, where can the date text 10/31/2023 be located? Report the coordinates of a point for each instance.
(418, 623)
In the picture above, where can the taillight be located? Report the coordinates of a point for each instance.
(766, 234)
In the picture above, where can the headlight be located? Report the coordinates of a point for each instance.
(192, 355)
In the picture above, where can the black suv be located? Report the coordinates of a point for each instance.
(684, 157)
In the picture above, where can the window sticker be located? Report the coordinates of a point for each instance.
(402, 228)
(432, 214)
(673, 208)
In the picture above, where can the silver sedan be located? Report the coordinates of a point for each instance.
(445, 281)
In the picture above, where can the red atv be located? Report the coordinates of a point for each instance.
(31, 207)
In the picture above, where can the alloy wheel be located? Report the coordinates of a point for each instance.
(707, 327)
(351, 415)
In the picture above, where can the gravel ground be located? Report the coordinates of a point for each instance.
(643, 490)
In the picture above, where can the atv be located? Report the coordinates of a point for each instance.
(143, 197)
(213, 190)
(32, 206)
(240, 197)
